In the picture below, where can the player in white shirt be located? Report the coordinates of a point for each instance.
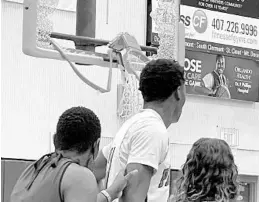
(142, 142)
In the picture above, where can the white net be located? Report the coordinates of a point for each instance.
(45, 11)
(166, 17)
(131, 101)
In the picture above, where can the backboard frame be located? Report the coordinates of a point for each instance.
(29, 43)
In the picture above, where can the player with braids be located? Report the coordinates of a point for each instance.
(209, 173)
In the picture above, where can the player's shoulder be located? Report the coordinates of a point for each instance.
(148, 118)
(76, 174)
(149, 125)
(78, 180)
(153, 122)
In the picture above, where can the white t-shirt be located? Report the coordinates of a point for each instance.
(142, 139)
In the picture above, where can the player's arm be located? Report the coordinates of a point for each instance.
(137, 190)
(145, 156)
(101, 162)
(79, 185)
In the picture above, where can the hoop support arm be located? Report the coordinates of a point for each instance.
(93, 41)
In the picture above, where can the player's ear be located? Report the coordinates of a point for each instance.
(180, 93)
(96, 148)
(177, 93)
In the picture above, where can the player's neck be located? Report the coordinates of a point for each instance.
(161, 110)
(74, 156)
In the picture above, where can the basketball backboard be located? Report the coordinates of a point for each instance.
(49, 33)
(42, 21)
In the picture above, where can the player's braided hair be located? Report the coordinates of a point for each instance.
(209, 172)
(78, 129)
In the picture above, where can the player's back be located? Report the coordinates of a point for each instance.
(142, 139)
(41, 180)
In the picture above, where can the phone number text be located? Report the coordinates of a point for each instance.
(235, 27)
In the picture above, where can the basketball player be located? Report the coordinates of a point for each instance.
(142, 143)
(65, 175)
(215, 83)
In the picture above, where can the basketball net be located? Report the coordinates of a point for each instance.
(131, 61)
(131, 101)
(46, 9)
(166, 18)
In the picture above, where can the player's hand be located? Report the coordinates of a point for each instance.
(120, 182)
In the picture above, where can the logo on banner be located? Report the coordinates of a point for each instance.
(186, 20)
(200, 21)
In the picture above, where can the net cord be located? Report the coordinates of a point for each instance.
(81, 76)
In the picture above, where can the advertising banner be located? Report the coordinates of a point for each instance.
(216, 32)
(221, 76)
(222, 47)
(220, 28)
(247, 8)
(210, 47)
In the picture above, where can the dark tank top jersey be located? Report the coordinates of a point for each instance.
(41, 181)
